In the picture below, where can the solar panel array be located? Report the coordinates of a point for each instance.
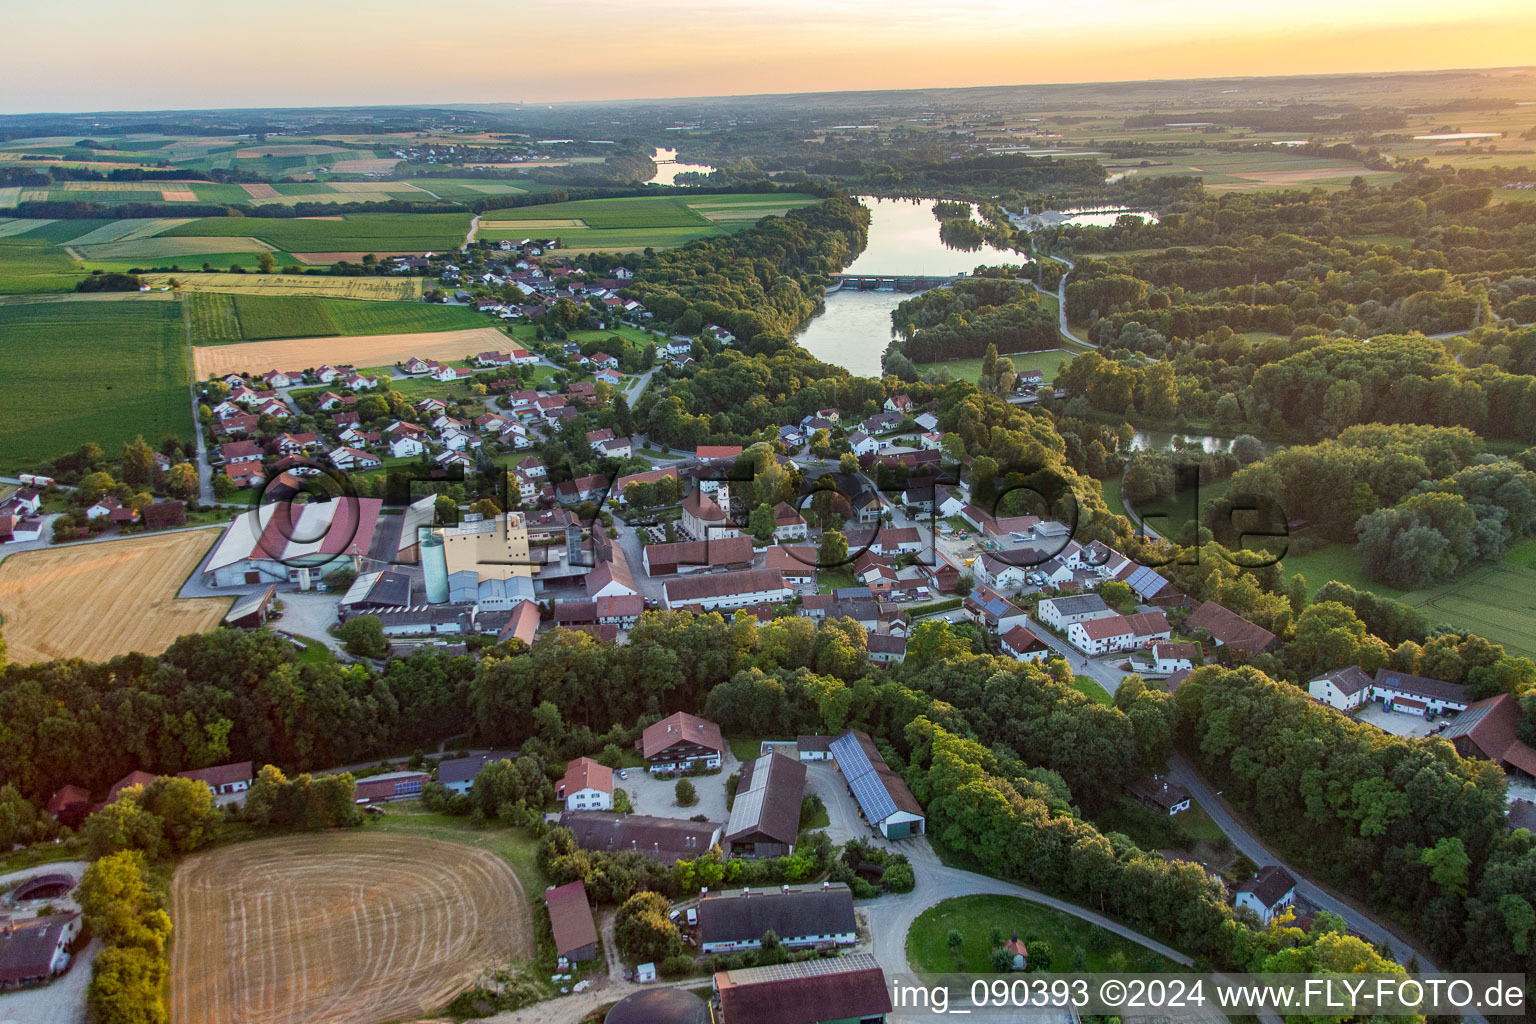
(1145, 582)
(868, 788)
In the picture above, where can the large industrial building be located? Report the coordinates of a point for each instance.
(483, 562)
(284, 542)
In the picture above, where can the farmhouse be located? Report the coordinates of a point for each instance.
(846, 988)
(883, 797)
(665, 839)
(587, 786)
(1061, 612)
(1231, 629)
(765, 817)
(1416, 695)
(728, 590)
(681, 742)
(885, 649)
(799, 915)
(224, 779)
(1268, 892)
(35, 949)
(1173, 657)
(391, 786)
(283, 542)
(570, 919)
(1488, 729)
(1118, 633)
(1343, 688)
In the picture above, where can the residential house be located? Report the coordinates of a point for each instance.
(862, 444)
(224, 779)
(1021, 644)
(990, 609)
(1417, 695)
(1168, 658)
(681, 742)
(1159, 794)
(353, 458)
(1267, 893)
(1118, 632)
(587, 786)
(1343, 688)
(788, 523)
(1061, 612)
(35, 949)
(886, 649)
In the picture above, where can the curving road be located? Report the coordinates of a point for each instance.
(1184, 773)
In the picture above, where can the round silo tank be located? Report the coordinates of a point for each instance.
(434, 566)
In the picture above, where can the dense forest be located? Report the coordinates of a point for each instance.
(965, 319)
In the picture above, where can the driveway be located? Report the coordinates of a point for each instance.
(309, 614)
(650, 795)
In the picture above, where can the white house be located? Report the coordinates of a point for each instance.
(1118, 632)
(1169, 658)
(1267, 893)
(1343, 688)
(1022, 645)
(1000, 574)
(403, 446)
(1061, 612)
(587, 786)
(862, 443)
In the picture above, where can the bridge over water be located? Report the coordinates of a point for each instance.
(890, 282)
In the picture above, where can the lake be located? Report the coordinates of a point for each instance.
(667, 167)
(903, 240)
(1104, 217)
(1163, 440)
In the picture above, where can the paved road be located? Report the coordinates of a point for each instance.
(1184, 773)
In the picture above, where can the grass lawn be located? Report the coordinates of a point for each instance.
(1090, 687)
(32, 265)
(1112, 496)
(976, 918)
(829, 580)
(746, 748)
(1153, 830)
(1047, 362)
(314, 652)
(1334, 562)
(90, 371)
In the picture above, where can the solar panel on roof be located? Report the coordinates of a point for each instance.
(869, 790)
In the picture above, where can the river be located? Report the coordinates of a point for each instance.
(903, 239)
(667, 167)
(1163, 440)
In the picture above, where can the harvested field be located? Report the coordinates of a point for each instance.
(181, 245)
(358, 350)
(96, 601)
(379, 288)
(101, 186)
(336, 216)
(341, 927)
(184, 195)
(327, 258)
(260, 191)
(371, 186)
(9, 195)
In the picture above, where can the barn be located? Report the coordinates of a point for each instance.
(284, 542)
(883, 797)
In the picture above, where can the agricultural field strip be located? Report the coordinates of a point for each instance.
(357, 350)
(278, 953)
(20, 227)
(162, 246)
(374, 288)
(124, 589)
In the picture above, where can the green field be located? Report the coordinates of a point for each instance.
(219, 319)
(367, 232)
(635, 222)
(976, 918)
(32, 265)
(89, 371)
(1047, 362)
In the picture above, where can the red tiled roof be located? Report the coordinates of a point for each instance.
(680, 728)
(585, 773)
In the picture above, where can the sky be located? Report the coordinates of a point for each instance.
(181, 54)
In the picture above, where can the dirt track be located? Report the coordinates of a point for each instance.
(339, 927)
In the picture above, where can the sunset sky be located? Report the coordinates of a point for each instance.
(95, 55)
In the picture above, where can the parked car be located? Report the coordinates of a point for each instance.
(693, 917)
(623, 773)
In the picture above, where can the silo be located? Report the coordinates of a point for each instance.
(434, 566)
